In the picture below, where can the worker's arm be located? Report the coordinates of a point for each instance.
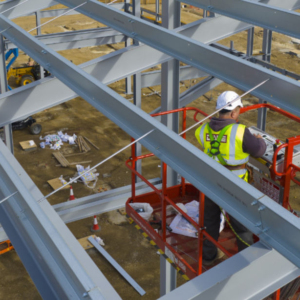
(254, 145)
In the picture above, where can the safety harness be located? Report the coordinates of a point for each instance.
(215, 144)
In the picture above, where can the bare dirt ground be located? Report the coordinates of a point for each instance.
(122, 240)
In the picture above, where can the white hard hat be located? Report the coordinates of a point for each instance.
(227, 97)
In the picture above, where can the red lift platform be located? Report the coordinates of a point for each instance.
(186, 252)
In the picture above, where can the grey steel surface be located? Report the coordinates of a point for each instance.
(185, 73)
(252, 274)
(234, 195)
(109, 68)
(96, 204)
(7, 130)
(226, 67)
(170, 79)
(111, 260)
(264, 15)
(77, 39)
(54, 259)
(198, 90)
(168, 276)
(28, 7)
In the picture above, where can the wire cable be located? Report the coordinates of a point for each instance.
(97, 165)
(229, 103)
(13, 7)
(227, 221)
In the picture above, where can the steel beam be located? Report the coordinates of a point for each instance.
(26, 8)
(58, 265)
(264, 15)
(100, 203)
(252, 274)
(226, 67)
(185, 73)
(19, 103)
(77, 39)
(198, 90)
(253, 209)
(88, 206)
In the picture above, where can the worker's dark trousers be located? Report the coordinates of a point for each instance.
(212, 223)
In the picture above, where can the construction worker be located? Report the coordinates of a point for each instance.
(230, 144)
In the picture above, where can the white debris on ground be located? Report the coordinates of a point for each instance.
(99, 240)
(55, 141)
(89, 178)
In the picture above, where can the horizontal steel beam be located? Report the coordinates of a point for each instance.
(95, 204)
(77, 39)
(264, 15)
(100, 203)
(252, 274)
(57, 12)
(185, 73)
(22, 102)
(26, 8)
(58, 265)
(198, 90)
(236, 196)
(232, 70)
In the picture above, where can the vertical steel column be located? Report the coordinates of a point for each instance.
(137, 91)
(168, 275)
(250, 39)
(3, 88)
(170, 77)
(128, 90)
(39, 32)
(169, 101)
(266, 49)
(157, 10)
(38, 22)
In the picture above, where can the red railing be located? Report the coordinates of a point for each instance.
(165, 199)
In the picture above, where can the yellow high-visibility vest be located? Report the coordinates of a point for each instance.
(231, 146)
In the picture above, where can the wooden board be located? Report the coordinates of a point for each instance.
(56, 183)
(85, 243)
(61, 159)
(27, 147)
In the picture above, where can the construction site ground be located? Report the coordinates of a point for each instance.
(130, 249)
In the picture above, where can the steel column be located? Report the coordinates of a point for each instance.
(137, 91)
(168, 277)
(250, 38)
(170, 78)
(266, 50)
(8, 135)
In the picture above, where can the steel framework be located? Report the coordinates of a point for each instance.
(36, 230)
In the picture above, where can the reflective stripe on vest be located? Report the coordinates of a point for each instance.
(232, 146)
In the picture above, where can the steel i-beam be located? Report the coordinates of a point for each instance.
(256, 13)
(256, 211)
(226, 67)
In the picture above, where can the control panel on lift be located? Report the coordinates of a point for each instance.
(261, 171)
(272, 144)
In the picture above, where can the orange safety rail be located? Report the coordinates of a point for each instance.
(184, 251)
(8, 247)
